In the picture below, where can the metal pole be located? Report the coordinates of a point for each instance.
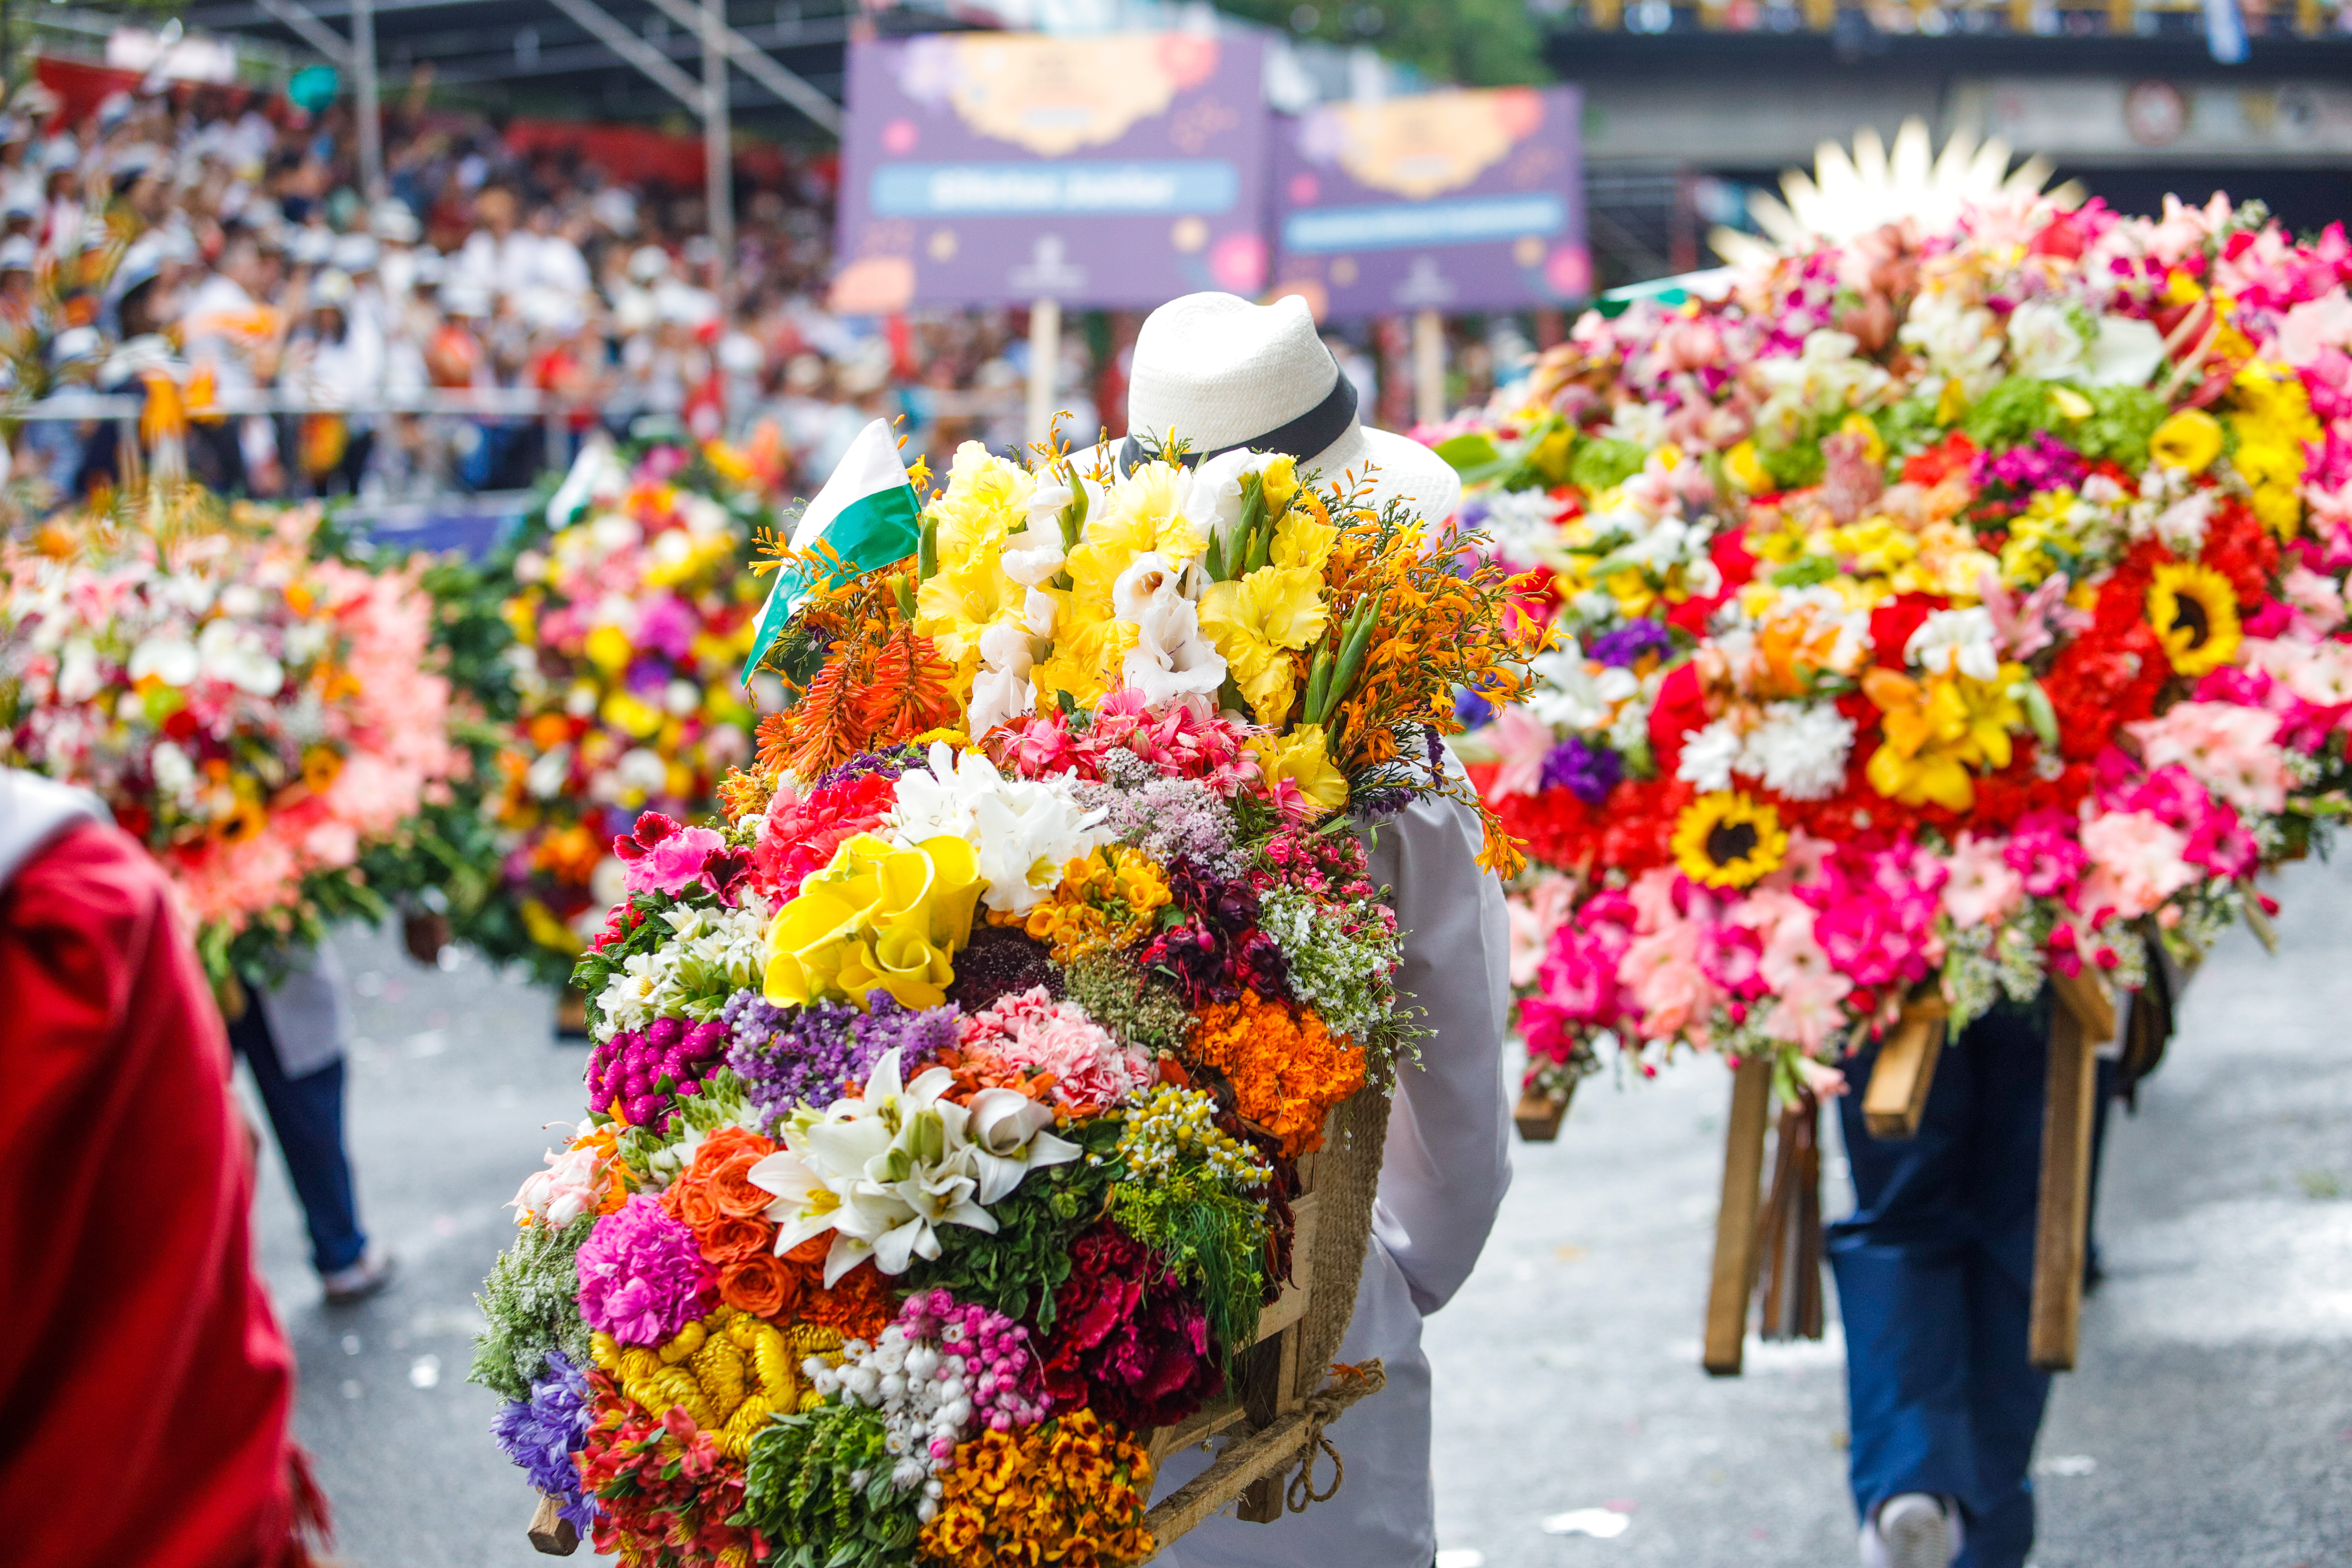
(1044, 362)
(1428, 366)
(718, 155)
(371, 111)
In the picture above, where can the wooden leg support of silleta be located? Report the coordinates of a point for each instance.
(1735, 1225)
(550, 1533)
(2083, 1020)
(1897, 1095)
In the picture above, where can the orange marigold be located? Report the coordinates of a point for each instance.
(1287, 1069)
(1068, 1491)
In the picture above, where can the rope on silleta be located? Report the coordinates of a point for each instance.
(1350, 1384)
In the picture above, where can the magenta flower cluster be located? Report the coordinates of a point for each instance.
(999, 1372)
(633, 1066)
(641, 1277)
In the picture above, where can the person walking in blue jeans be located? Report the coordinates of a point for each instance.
(1935, 1279)
(293, 1037)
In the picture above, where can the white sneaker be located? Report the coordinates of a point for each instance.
(1911, 1530)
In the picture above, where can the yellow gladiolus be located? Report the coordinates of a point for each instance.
(2189, 440)
(1302, 757)
(955, 605)
(1747, 470)
(1257, 622)
(1303, 541)
(630, 715)
(879, 916)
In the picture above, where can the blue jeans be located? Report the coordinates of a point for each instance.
(307, 1115)
(1935, 1276)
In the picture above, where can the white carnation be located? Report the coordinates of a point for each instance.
(1709, 755)
(1800, 749)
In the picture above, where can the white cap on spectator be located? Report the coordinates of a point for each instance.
(616, 208)
(36, 98)
(76, 343)
(112, 111)
(60, 152)
(393, 222)
(13, 128)
(648, 262)
(685, 304)
(355, 253)
(551, 310)
(332, 287)
(311, 245)
(740, 353)
(803, 372)
(465, 300)
(429, 269)
(635, 310)
(23, 201)
(16, 253)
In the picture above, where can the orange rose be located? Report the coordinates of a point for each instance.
(732, 1238)
(759, 1285)
(691, 1202)
(722, 1146)
(731, 1188)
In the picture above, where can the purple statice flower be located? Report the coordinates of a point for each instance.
(1471, 710)
(1586, 771)
(631, 1065)
(1627, 646)
(2045, 464)
(541, 1435)
(789, 1056)
(642, 1277)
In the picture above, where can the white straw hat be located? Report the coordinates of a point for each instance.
(1220, 372)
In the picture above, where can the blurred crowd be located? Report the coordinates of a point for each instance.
(210, 248)
(218, 240)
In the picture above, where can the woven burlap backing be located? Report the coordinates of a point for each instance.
(1347, 1176)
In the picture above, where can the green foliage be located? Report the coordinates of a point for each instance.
(2118, 431)
(1212, 1239)
(532, 1302)
(1136, 1006)
(2011, 414)
(1795, 466)
(818, 1486)
(1805, 572)
(1600, 464)
(1017, 1271)
(1907, 428)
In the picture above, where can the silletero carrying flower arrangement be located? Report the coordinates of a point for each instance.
(1940, 609)
(959, 1102)
(256, 717)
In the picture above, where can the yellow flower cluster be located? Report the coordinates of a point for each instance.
(2270, 416)
(1939, 729)
(877, 915)
(1068, 1491)
(1106, 899)
(731, 1371)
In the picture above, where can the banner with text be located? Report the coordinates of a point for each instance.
(1443, 201)
(1001, 168)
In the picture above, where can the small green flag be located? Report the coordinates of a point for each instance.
(868, 514)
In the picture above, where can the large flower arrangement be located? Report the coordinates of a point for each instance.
(258, 717)
(630, 615)
(1938, 609)
(947, 1091)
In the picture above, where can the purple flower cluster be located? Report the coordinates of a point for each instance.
(1001, 1375)
(641, 1276)
(1217, 950)
(631, 1065)
(1168, 819)
(788, 1056)
(2046, 465)
(1630, 643)
(889, 762)
(1002, 961)
(1584, 770)
(541, 1435)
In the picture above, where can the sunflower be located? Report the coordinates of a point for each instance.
(1727, 840)
(2195, 613)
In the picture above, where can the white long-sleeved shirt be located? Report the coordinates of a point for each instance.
(1443, 1177)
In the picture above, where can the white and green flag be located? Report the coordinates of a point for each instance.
(867, 513)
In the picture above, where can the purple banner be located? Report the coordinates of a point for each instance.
(1444, 201)
(1003, 168)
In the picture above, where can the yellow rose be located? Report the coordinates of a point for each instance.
(878, 917)
(2190, 439)
(1300, 757)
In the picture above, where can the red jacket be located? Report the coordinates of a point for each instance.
(145, 1389)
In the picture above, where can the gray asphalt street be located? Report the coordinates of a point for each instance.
(2211, 1423)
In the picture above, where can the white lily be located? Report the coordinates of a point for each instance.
(1009, 1139)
